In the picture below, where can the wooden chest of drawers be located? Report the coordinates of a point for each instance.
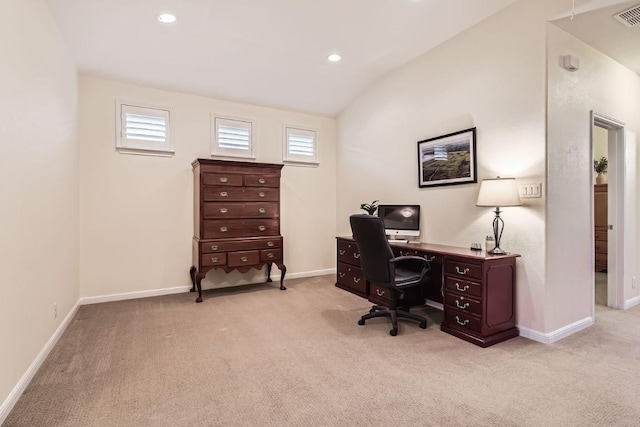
(601, 228)
(236, 218)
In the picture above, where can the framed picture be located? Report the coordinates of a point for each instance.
(448, 159)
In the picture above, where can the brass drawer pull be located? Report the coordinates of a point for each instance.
(356, 256)
(379, 292)
(270, 244)
(244, 259)
(224, 194)
(214, 259)
(270, 256)
(224, 210)
(461, 323)
(342, 252)
(462, 306)
(262, 228)
(262, 210)
(341, 275)
(356, 279)
(431, 258)
(223, 229)
(463, 272)
(466, 287)
(261, 194)
(262, 180)
(223, 179)
(214, 247)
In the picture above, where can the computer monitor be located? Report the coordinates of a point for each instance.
(400, 220)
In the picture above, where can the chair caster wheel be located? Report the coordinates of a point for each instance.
(372, 310)
(360, 322)
(423, 325)
(393, 332)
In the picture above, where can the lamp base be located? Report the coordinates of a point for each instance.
(497, 251)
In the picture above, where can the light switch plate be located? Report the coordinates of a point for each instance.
(530, 191)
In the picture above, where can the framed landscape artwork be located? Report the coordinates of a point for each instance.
(448, 159)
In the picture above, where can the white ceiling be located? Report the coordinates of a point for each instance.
(267, 52)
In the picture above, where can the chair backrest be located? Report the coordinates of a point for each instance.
(375, 252)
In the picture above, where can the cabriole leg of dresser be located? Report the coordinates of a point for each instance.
(199, 278)
(269, 272)
(283, 270)
(192, 274)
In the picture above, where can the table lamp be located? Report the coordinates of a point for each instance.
(498, 192)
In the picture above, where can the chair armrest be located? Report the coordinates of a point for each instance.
(412, 259)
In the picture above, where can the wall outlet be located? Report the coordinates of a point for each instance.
(55, 310)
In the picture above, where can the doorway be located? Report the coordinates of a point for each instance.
(608, 207)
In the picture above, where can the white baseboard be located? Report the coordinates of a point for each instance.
(307, 274)
(17, 391)
(133, 295)
(558, 334)
(631, 302)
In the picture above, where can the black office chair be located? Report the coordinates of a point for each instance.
(381, 267)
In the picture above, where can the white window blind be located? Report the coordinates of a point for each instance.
(232, 137)
(143, 130)
(300, 145)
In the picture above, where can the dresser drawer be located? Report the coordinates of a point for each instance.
(351, 277)
(213, 210)
(222, 179)
(271, 255)
(218, 229)
(601, 247)
(216, 258)
(462, 287)
(348, 252)
(262, 180)
(460, 320)
(463, 303)
(601, 235)
(240, 244)
(601, 260)
(239, 259)
(463, 269)
(249, 194)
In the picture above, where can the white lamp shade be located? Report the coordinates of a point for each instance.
(498, 192)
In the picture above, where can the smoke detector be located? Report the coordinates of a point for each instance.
(630, 17)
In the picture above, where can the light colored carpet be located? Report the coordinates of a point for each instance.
(259, 356)
(601, 289)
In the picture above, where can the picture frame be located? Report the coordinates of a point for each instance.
(448, 159)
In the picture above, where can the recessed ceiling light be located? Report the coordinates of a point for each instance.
(334, 57)
(166, 18)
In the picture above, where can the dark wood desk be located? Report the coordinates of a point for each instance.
(476, 290)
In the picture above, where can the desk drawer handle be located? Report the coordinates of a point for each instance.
(224, 194)
(224, 210)
(262, 181)
(223, 229)
(270, 244)
(342, 252)
(341, 275)
(262, 228)
(463, 272)
(214, 259)
(356, 256)
(223, 179)
(461, 323)
(379, 292)
(466, 287)
(462, 306)
(244, 259)
(261, 194)
(214, 247)
(431, 258)
(356, 279)
(262, 210)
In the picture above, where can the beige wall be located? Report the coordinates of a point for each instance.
(605, 86)
(136, 213)
(480, 78)
(38, 187)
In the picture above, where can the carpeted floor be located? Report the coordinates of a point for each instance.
(258, 356)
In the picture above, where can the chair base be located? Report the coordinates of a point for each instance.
(378, 311)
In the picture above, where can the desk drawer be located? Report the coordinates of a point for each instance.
(460, 320)
(348, 252)
(463, 269)
(463, 303)
(431, 257)
(462, 287)
(351, 277)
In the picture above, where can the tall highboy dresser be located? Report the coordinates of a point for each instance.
(236, 218)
